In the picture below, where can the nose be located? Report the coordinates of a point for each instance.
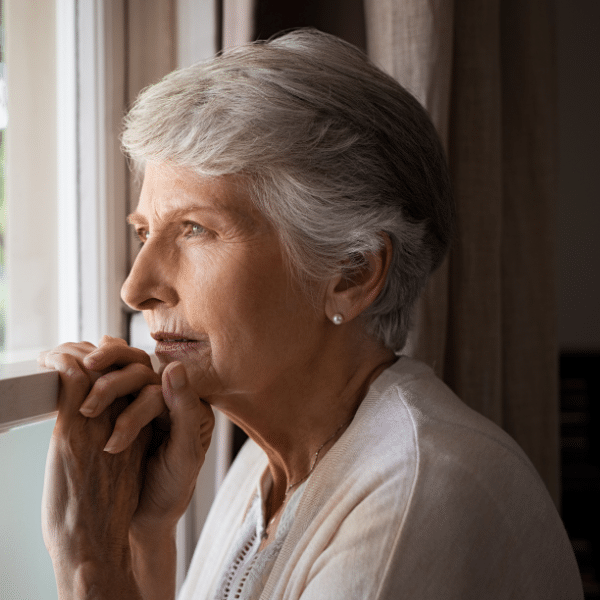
(149, 282)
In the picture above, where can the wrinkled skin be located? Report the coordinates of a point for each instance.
(95, 500)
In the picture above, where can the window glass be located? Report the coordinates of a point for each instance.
(25, 566)
(30, 178)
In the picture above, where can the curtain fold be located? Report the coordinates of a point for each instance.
(413, 42)
(487, 320)
(150, 33)
(239, 21)
(530, 185)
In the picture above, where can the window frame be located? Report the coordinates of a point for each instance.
(91, 184)
(96, 75)
(27, 394)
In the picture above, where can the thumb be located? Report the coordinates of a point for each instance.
(192, 420)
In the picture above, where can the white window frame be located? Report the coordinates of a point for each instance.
(102, 181)
(91, 190)
(92, 244)
(80, 200)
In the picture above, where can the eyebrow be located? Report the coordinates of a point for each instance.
(136, 218)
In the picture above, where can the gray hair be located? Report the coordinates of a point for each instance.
(335, 152)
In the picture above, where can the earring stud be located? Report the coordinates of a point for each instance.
(337, 319)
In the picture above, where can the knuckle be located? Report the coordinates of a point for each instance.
(109, 340)
(143, 372)
(151, 398)
(102, 384)
(103, 387)
(141, 357)
(63, 347)
(136, 368)
(151, 392)
(156, 390)
(76, 375)
(80, 380)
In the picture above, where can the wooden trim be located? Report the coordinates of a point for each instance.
(28, 394)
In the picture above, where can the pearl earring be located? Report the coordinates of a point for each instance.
(337, 319)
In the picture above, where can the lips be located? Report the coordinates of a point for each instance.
(174, 336)
(177, 348)
(176, 344)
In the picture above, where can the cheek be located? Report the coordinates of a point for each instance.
(224, 297)
(248, 305)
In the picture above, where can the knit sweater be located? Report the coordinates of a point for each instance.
(420, 498)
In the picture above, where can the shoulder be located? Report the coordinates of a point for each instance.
(454, 459)
(423, 493)
(410, 413)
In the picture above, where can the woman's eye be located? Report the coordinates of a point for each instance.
(193, 229)
(142, 235)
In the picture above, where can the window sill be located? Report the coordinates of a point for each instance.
(28, 394)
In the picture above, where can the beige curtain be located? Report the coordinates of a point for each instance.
(485, 71)
(150, 50)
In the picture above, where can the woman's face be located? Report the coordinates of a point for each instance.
(214, 287)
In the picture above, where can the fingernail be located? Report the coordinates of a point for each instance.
(114, 443)
(177, 377)
(88, 407)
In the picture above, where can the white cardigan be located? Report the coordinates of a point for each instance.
(420, 498)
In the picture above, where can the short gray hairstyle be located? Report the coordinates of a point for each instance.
(335, 152)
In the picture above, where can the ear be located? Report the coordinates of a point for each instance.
(352, 292)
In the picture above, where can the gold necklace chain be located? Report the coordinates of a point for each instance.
(312, 468)
(314, 462)
(316, 457)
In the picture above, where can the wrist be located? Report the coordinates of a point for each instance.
(96, 581)
(151, 537)
(154, 562)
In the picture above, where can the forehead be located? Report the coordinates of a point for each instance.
(168, 191)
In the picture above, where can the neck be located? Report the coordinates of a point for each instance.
(300, 419)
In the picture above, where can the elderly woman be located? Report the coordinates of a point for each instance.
(295, 200)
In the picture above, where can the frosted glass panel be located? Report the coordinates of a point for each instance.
(25, 567)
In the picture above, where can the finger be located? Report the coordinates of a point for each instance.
(47, 359)
(75, 382)
(116, 384)
(116, 353)
(79, 350)
(41, 358)
(192, 420)
(143, 410)
(109, 339)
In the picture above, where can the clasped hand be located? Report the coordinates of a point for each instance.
(124, 455)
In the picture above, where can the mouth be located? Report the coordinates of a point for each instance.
(175, 344)
(169, 336)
